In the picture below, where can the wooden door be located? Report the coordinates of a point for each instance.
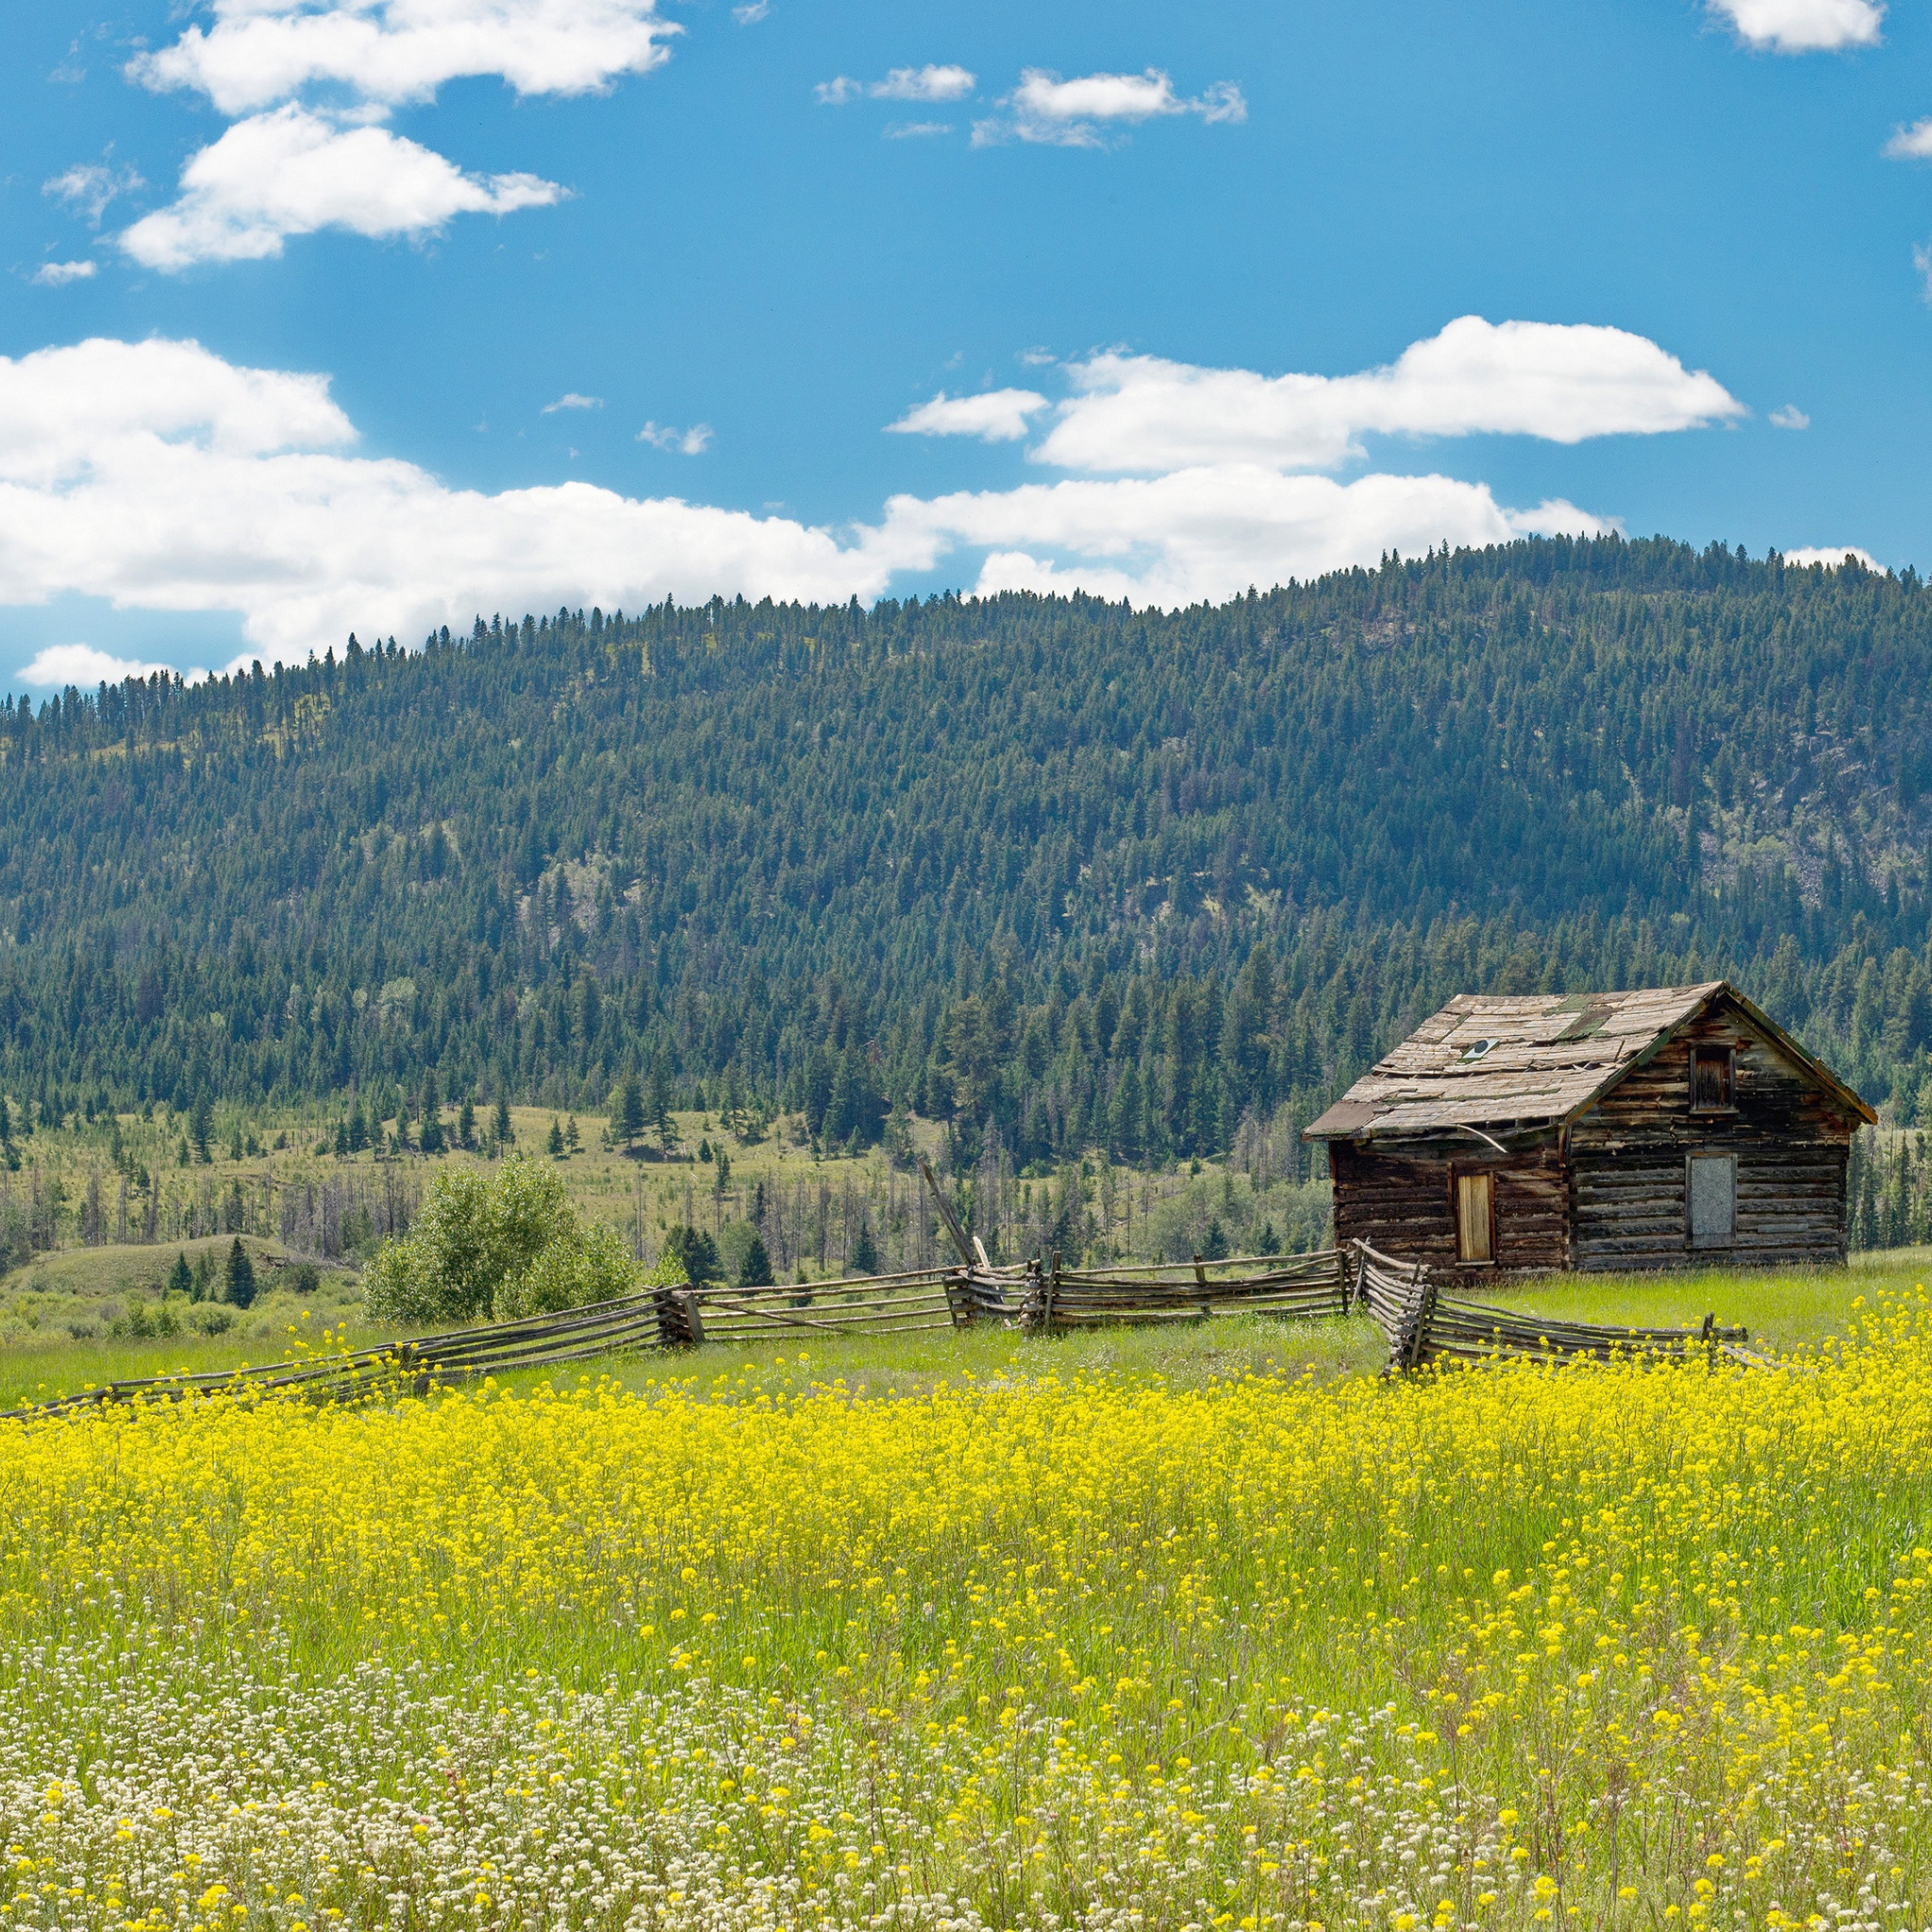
(1711, 1203)
(1476, 1217)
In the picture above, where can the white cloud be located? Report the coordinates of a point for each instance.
(751, 12)
(292, 172)
(1073, 114)
(258, 52)
(89, 186)
(690, 442)
(82, 665)
(1206, 534)
(914, 130)
(1829, 557)
(1913, 143)
(997, 416)
(571, 400)
(928, 83)
(162, 477)
(1562, 382)
(1804, 26)
(1790, 417)
(57, 275)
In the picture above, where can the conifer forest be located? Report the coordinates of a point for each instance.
(1055, 870)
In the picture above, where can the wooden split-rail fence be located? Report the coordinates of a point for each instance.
(1424, 1326)
(1306, 1287)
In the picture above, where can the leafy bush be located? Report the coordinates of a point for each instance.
(509, 1242)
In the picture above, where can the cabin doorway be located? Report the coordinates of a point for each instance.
(1475, 1217)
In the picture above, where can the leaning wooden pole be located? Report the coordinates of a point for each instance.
(946, 1214)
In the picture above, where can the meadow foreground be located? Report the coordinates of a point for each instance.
(1494, 1648)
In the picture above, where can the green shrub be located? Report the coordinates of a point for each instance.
(508, 1242)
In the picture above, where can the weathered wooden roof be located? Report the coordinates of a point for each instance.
(1548, 1056)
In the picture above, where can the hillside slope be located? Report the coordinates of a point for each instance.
(1100, 877)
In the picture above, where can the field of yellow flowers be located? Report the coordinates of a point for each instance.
(1618, 1645)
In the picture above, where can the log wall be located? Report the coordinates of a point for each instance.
(1404, 1205)
(1628, 1160)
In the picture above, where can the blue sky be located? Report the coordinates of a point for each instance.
(324, 314)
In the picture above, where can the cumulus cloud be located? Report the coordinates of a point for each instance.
(292, 172)
(260, 52)
(694, 441)
(89, 186)
(1790, 417)
(60, 665)
(1803, 27)
(1829, 557)
(916, 131)
(572, 400)
(1913, 143)
(1205, 533)
(999, 415)
(57, 275)
(1075, 113)
(163, 478)
(1561, 382)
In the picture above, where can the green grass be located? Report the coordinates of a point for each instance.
(1784, 1309)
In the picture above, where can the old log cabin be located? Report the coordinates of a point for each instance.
(1594, 1131)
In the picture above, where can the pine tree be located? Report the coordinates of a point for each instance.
(865, 1251)
(755, 1269)
(359, 1130)
(556, 1142)
(466, 1123)
(201, 1126)
(6, 1122)
(505, 1128)
(630, 1110)
(181, 1276)
(571, 1134)
(662, 1123)
(238, 1286)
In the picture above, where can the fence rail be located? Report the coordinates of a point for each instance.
(1292, 1287)
(1424, 1326)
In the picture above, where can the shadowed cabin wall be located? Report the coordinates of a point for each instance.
(1405, 1206)
(1628, 1160)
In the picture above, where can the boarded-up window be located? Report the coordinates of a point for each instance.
(1474, 1217)
(1710, 1080)
(1712, 1205)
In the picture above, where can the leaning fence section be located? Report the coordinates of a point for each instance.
(873, 1305)
(1424, 1326)
(1289, 1287)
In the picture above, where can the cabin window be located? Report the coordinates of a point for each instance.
(1476, 1217)
(1714, 1075)
(1478, 1050)
(1712, 1199)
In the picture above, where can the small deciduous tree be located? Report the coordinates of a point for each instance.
(509, 1242)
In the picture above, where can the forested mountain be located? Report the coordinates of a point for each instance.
(1095, 876)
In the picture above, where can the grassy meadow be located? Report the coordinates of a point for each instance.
(1200, 1627)
(1195, 1629)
